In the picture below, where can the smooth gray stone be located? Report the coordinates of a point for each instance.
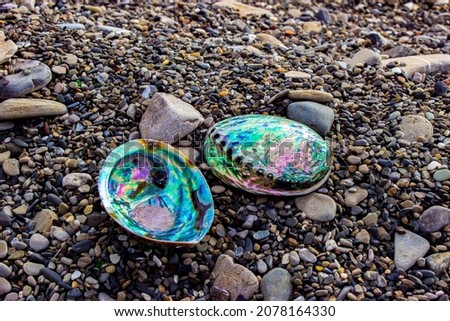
(314, 115)
(26, 76)
(276, 285)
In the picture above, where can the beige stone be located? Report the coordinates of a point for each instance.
(266, 38)
(234, 278)
(17, 108)
(297, 74)
(310, 95)
(243, 9)
(424, 64)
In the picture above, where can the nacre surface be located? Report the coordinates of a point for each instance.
(268, 155)
(155, 192)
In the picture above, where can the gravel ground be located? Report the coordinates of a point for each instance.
(378, 229)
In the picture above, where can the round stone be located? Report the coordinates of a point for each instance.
(442, 175)
(276, 285)
(414, 126)
(354, 197)
(5, 286)
(317, 207)
(314, 115)
(11, 167)
(307, 256)
(39, 243)
(409, 247)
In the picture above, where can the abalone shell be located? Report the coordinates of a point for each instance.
(268, 155)
(155, 192)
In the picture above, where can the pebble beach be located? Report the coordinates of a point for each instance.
(371, 77)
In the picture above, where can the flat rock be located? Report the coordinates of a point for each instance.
(400, 51)
(354, 198)
(297, 74)
(11, 166)
(271, 40)
(44, 220)
(25, 77)
(434, 219)
(32, 269)
(312, 26)
(3, 249)
(234, 278)
(71, 26)
(75, 180)
(5, 286)
(317, 207)
(424, 64)
(317, 96)
(243, 9)
(314, 115)
(253, 50)
(6, 125)
(59, 233)
(414, 126)
(307, 256)
(438, 262)
(442, 175)
(7, 50)
(365, 56)
(18, 108)
(276, 285)
(39, 243)
(168, 118)
(4, 156)
(5, 271)
(116, 30)
(5, 220)
(409, 247)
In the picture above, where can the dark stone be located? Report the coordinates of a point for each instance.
(54, 199)
(324, 15)
(83, 246)
(400, 51)
(74, 293)
(5, 220)
(434, 218)
(440, 88)
(95, 219)
(314, 115)
(51, 275)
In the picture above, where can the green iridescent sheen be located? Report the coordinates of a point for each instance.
(155, 192)
(268, 155)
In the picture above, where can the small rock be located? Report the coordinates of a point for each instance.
(5, 286)
(276, 285)
(82, 246)
(19, 83)
(95, 9)
(7, 50)
(369, 219)
(115, 30)
(168, 118)
(71, 26)
(365, 56)
(59, 70)
(59, 233)
(312, 26)
(114, 258)
(363, 236)
(33, 269)
(307, 256)
(269, 39)
(218, 189)
(442, 175)
(354, 198)
(234, 278)
(317, 207)
(414, 126)
(5, 271)
(316, 116)
(75, 180)
(3, 249)
(297, 74)
(44, 220)
(324, 15)
(440, 88)
(434, 218)
(294, 258)
(243, 9)
(438, 262)
(317, 96)
(409, 247)
(18, 108)
(400, 51)
(11, 166)
(425, 64)
(51, 275)
(39, 243)
(5, 220)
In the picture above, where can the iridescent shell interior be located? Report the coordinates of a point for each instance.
(155, 192)
(268, 155)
